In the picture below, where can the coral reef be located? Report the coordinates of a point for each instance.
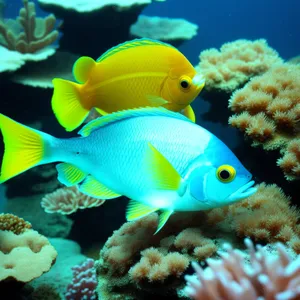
(84, 282)
(85, 20)
(173, 31)
(134, 260)
(10, 222)
(24, 256)
(230, 278)
(41, 73)
(67, 200)
(29, 208)
(60, 275)
(29, 33)
(267, 216)
(267, 110)
(235, 63)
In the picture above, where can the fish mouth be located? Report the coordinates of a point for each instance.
(199, 81)
(243, 192)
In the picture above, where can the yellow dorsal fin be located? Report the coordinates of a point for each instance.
(69, 175)
(163, 218)
(126, 114)
(94, 188)
(82, 68)
(189, 113)
(162, 175)
(132, 44)
(136, 210)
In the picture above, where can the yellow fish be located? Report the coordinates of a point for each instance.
(137, 73)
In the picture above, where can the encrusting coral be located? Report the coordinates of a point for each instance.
(10, 222)
(230, 278)
(235, 63)
(267, 216)
(67, 200)
(25, 255)
(267, 110)
(28, 33)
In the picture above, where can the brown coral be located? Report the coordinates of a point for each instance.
(28, 34)
(25, 256)
(267, 216)
(67, 200)
(9, 222)
(268, 276)
(268, 111)
(236, 63)
(133, 258)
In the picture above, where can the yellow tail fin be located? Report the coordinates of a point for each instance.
(67, 105)
(24, 148)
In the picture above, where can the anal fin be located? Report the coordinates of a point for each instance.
(96, 189)
(163, 218)
(136, 210)
(69, 175)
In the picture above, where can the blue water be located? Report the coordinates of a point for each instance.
(223, 21)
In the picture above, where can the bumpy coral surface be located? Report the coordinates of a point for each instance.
(268, 110)
(134, 259)
(235, 63)
(10, 222)
(67, 200)
(230, 278)
(25, 256)
(84, 282)
(267, 216)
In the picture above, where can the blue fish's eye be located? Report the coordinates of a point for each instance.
(226, 173)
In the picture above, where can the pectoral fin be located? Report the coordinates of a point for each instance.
(136, 210)
(94, 188)
(162, 175)
(69, 175)
(156, 101)
(163, 218)
(189, 113)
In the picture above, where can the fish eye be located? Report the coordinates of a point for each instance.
(226, 173)
(185, 82)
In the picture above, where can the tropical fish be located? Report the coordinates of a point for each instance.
(134, 74)
(157, 167)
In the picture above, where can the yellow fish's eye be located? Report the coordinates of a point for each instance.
(185, 83)
(226, 173)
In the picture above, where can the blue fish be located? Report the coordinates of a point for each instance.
(159, 159)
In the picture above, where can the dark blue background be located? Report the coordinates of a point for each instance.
(222, 21)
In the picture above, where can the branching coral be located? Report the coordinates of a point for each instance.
(133, 258)
(67, 200)
(9, 222)
(267, 216)
(230, 278)
(268, 111)
(235, 63)
(28, 34)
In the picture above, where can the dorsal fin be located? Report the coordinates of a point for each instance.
(131, 44)
(126, 114)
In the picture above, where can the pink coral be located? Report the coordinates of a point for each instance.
(84, 282)
(67, 200)
(267, 277)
